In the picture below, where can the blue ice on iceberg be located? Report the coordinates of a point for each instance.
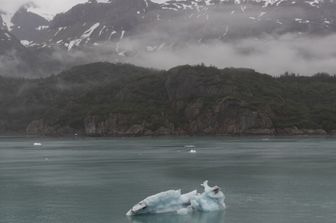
(173, 201)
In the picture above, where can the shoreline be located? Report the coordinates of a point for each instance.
(169, 136)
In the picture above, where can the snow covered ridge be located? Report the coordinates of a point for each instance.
(173, 201)
(233, 19)
(187, 4)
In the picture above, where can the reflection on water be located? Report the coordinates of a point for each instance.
(210, 217)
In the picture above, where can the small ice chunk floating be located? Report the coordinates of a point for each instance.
(173, 201)
(193, 151)
(191, 148)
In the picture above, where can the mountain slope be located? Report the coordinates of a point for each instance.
(18, 60)
(105, 99)
(179, 21)
(162, 35)
(8, 42)
(28, 26)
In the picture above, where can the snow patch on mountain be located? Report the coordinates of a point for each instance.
(7, 17)
(89, 32)
(85, 36)
(199, 4)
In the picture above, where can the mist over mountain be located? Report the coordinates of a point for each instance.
(104, 99)
(267, 35)
(186, 21)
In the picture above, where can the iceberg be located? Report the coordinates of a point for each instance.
(196, 217)
(212, 199)
(173, 201)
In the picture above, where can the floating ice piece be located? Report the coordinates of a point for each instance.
(173, 201)
(191, 148)
(164, 202)
(37, 144)
(212, 199)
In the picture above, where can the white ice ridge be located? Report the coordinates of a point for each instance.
(173, 201)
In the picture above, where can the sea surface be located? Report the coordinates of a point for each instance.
(81, 180)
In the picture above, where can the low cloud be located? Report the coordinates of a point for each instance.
(273, 55)
(213, 38)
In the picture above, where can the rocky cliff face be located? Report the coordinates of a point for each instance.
(118, 124)
(194, 108)
(42, 128)
(226, 117)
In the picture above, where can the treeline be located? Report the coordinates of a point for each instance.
(122, 99)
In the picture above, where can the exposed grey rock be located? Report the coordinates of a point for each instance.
(297, 131)
(37, 127)
(29, 26)
(163, 131)
(90, 126)
(136, 130)
(41, 128)
(90, 23)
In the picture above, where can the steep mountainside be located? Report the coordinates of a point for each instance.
(105, 99)
(179, 21)
(18, 60)
(8, 42)
(151, 34)
(28, 26)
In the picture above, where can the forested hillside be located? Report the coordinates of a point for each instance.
(104, 99)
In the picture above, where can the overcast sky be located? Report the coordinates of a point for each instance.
(48, 6)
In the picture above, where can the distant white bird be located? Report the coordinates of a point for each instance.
(37, 144)
(192, 151)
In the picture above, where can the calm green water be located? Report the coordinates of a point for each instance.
(96, 181)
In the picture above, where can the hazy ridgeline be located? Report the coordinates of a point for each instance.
(105, 99)
(272, 40)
